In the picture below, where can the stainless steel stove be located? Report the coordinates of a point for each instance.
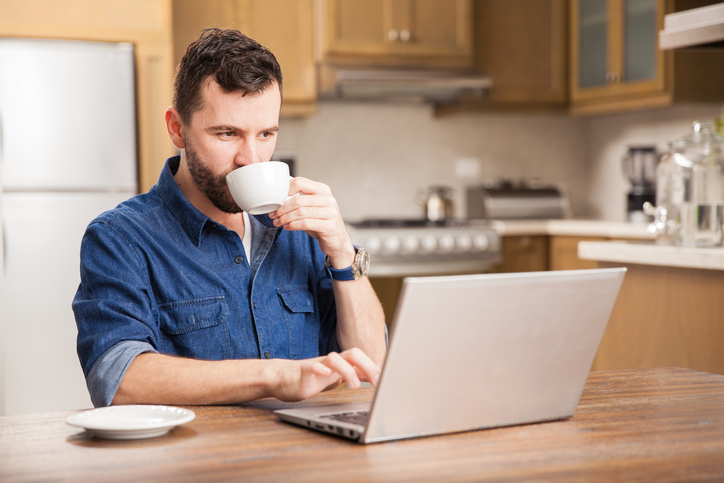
(400, 248)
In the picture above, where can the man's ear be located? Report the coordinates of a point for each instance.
(175, 128)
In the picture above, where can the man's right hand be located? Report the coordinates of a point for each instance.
(299, 380)
(161, 379)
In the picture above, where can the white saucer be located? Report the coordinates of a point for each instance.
(131, 422)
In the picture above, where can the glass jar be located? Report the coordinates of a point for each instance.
(690, 190)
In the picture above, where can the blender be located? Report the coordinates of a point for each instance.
(639, 166)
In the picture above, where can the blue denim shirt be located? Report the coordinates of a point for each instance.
(157, 275)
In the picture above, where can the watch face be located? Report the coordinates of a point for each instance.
(363, 261)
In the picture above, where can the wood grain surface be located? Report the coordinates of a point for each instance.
(665, 316)
(664, 424)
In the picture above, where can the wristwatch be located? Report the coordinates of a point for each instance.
(359, 268)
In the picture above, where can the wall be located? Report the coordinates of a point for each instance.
(608, 139)
(376, 157)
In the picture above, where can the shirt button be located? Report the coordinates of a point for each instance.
(239, 259)
(267, 355)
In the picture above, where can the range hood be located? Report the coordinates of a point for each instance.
(435, 86)
(698, 28)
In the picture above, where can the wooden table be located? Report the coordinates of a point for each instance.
(662, 424)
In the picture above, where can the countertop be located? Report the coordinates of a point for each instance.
(649, 253)
(586, 228)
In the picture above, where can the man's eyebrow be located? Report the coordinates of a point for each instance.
(222, 128)
(225, 127)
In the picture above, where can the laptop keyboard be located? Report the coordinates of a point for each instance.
(354, 417)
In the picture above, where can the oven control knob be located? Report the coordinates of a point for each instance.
(429, 243)
(464, 243)
(480, 241)
(373, 245)
(410, 244)
(392, 244)
(447, 243)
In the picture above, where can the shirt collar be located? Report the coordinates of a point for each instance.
(191, 219)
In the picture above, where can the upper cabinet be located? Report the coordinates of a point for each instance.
(521, 45)
(616, 64)
(285, 26)
(395, 32)
(586, 56)
(614, 53)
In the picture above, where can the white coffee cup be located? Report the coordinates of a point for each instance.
(260, 187)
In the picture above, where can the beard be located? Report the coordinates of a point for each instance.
(212, 185)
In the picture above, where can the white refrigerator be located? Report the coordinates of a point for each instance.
(68, 152)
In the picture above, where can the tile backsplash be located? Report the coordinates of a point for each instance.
(376, 157)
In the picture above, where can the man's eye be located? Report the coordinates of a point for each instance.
(226, 134)
(266, 135)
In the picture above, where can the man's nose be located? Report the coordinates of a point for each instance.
(247, 154)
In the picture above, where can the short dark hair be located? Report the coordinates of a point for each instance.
(235, 61)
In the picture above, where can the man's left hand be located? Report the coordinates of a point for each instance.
(317, 214)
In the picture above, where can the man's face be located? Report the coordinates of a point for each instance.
(230, 130)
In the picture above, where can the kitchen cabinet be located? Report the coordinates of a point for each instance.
(665, 316)
(522, 45)
(388, 291)
(668, 311)
(616, 65)
(528, 253)
(524, 253)
(563, 253)
(285, 26)
(395, 32)
(145, 23)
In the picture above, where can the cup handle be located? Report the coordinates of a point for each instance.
(295, 194)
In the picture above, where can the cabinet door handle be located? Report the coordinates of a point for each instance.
(393, 34)
(613, 78)
(405, 35)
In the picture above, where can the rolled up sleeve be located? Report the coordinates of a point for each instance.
(108, 370)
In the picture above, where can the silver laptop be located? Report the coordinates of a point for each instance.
(479, 351)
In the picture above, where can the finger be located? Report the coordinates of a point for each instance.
(300, 202)
(365, 367)
(320, 369)
(308, 187)
(338, 364)
(316, 225)
(286, 215)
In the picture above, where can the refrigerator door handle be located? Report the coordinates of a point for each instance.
(2, 220)
(1, 147)
(5, 244)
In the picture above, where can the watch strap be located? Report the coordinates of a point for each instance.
(342, 274)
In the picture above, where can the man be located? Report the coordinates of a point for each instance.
(186, 300)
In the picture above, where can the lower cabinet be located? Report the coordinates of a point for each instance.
(531, 253)
(388, 291)
(665, 317)
(563, 253)
(524, 253)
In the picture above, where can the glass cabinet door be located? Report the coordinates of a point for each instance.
(639, 43)
(615, 55)
(593, 43)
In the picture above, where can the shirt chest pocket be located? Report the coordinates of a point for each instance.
(195, 328)
(302, 322)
